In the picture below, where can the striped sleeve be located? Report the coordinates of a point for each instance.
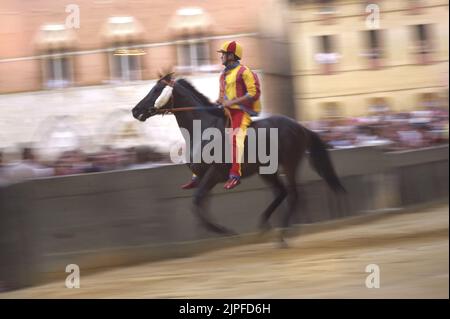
(251, 84)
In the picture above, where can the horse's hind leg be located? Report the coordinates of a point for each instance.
(280, 194)
(292, 199)
(207, 183)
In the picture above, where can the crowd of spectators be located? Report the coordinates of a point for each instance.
(77, 162)
(391, 131)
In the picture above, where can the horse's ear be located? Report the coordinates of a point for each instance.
(167, 72)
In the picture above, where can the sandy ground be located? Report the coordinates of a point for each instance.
(411, 250)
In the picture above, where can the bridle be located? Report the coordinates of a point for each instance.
(173, 110)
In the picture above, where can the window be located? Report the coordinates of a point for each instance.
(326, 6)
(57, 71)
(125, 64)
(54, 42)
(378, 106)
(326, 56)
(331, 110)
(189, 26)
(123, 34)
(415, 6)
(327, 10)
(193, 56)
(374, 51)
(428, 101)
(422, 47)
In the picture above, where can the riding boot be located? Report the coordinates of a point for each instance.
(232, 182)
(193, 183)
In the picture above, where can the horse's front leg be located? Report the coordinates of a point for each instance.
(207, 183)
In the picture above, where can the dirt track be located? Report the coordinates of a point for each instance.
(412, 251)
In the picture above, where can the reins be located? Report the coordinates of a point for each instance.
(195, 108)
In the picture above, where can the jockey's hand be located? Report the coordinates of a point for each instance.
(227, 103)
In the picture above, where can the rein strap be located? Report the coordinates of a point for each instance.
(198, 108)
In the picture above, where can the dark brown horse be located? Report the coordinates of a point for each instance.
(293, 141)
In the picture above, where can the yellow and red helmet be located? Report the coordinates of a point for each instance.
(232, 47)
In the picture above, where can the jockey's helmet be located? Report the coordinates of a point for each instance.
(232, 47)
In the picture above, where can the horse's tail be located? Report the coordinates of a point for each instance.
(321, 162)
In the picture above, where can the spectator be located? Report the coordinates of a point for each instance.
(28, 168)
(91, 164)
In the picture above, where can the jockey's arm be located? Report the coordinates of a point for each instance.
(250, 84)
(239, 100)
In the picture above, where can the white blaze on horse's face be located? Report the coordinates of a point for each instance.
(164, 97)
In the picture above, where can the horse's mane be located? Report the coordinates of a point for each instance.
(203, 99)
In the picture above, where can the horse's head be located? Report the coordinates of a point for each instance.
(158, 98)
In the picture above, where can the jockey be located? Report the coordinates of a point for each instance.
(239, 93)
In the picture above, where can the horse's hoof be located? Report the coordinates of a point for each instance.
(282, 244)
(264, 227)
(226, 231)
(219, 229)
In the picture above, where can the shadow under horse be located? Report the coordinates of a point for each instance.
(187, 104)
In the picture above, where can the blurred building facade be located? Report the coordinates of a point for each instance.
(40, 50)
(68, 87)
(349, 58)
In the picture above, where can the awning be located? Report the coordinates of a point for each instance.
(122, 29)
(188, 21)
(55, 37)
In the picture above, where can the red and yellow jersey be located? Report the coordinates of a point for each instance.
(240, 81)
